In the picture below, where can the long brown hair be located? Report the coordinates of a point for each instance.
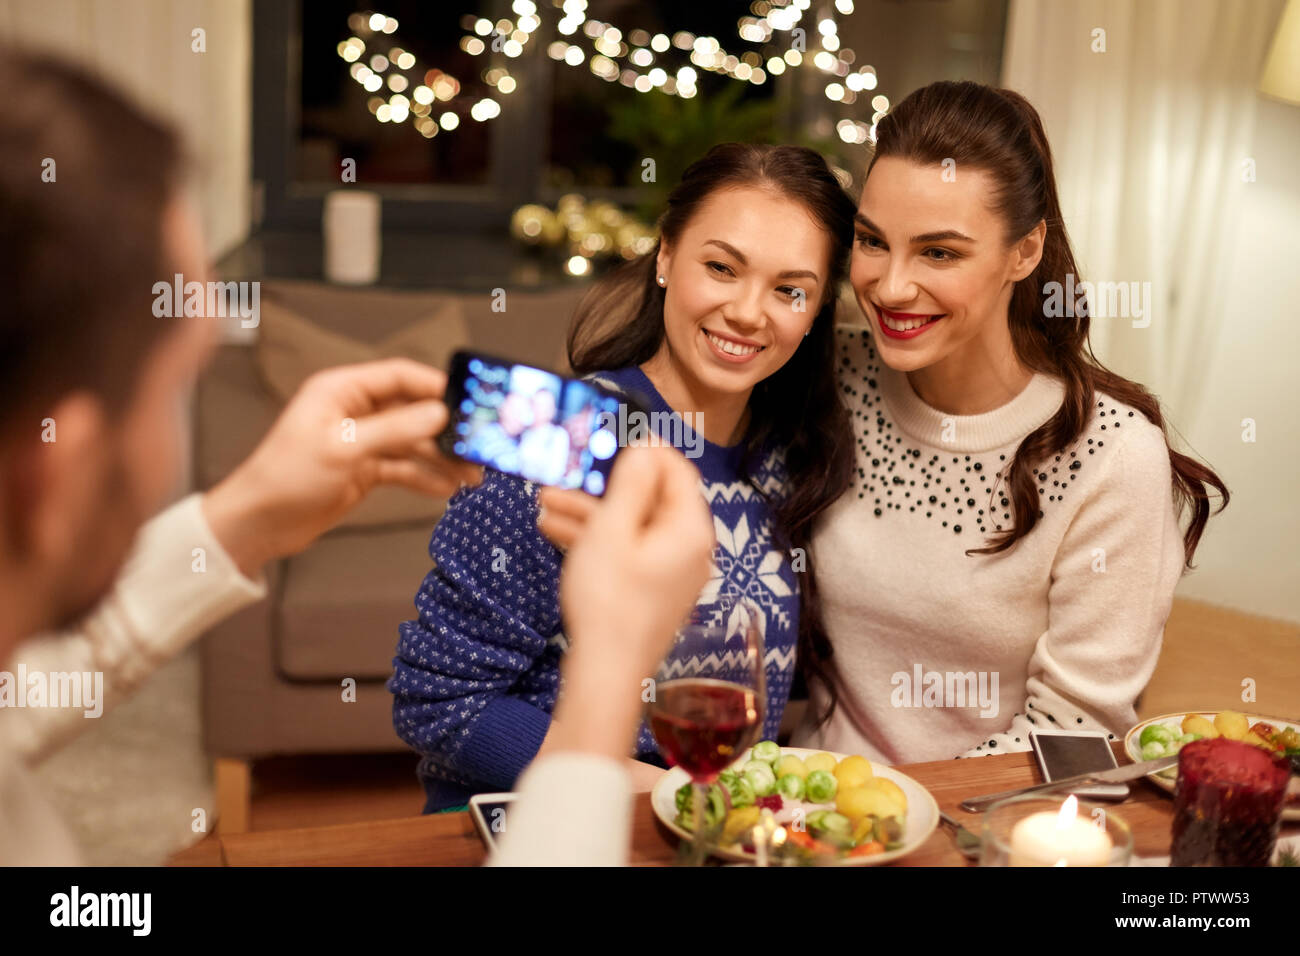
(797, 409)
(1000, 133)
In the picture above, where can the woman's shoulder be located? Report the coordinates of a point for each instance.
(856, 361)
(1124, 446)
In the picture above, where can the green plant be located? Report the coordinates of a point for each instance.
(675, 131)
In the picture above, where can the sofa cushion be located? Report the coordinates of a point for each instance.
(290, 348)
(243, 391)
(530, 325)
(343, 599)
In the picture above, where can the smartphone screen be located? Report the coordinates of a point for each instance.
(1066, 754)
(532, 423)
(1069, 756)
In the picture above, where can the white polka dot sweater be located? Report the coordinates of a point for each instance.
(477, 673)
(942, 654)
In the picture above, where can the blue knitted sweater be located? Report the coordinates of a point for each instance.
(476, 674)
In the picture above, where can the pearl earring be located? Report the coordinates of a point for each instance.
(663, 281)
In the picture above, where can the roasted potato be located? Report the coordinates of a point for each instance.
(858, 802)
(790, 764)
(853, 772)
(1232, 724)
(891, 790)
(820, 761)
(1196, 724)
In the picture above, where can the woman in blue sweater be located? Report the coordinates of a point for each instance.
(728, 326)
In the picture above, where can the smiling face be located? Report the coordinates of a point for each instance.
(543, 407)
(933, 269)
(744, 281)
(514, 413)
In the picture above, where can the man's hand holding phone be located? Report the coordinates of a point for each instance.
(532, 423)
(345, 431)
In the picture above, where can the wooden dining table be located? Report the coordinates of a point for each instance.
(450, 839)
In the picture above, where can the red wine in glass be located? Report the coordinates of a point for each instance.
(702, 724)
(709, 698)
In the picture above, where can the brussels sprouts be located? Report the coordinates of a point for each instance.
(715, 807)
(766, 750)
(1188, 738)
(833, 822)
(820, 786)
(742, 795)
(791, 785)
(740, 789)
(760, 777)
(1153, 751)
(1157, 732)
(834, 828)
(683, 798)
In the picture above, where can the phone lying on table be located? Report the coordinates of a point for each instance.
(531, 423)
(488, 811)
(1068, 753)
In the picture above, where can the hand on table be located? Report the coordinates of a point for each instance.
(345, 431)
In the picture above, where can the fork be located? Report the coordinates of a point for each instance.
(968, 844)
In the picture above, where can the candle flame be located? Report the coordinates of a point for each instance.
(1069, 810)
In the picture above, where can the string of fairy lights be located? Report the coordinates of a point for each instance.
(435, 101)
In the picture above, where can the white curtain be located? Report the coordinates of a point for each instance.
(145, 47)
(1150, 140)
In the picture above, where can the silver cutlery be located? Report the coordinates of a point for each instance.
(968, 844)
(1116, 775)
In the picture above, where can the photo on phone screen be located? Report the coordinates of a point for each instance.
(531, 423)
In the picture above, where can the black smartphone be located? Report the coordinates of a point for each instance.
(532, 423)
(1068, 753)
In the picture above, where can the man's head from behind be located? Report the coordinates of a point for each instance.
(92, 382)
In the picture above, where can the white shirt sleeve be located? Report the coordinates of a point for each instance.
(176, 583)
(1111, 591)
(573, 809)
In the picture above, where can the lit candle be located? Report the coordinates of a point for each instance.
(760, 844)
(1059, 839)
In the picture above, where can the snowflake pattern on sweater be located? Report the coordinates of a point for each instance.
(476, 675)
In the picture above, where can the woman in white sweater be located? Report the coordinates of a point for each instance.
(1007, 557)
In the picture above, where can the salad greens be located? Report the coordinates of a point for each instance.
(769, 778)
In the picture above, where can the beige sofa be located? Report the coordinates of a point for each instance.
(275, 674)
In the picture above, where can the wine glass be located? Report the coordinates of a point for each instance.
(709, 699)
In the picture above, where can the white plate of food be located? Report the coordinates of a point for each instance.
(860, 812)
(1168, 733)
